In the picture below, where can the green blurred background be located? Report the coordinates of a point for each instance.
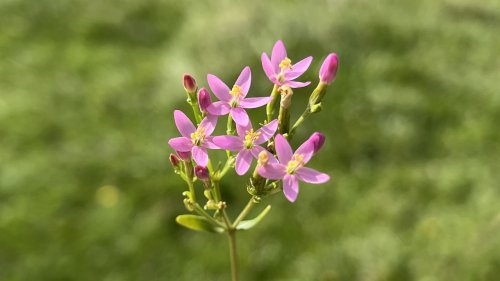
(87, 90)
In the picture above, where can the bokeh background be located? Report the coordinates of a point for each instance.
(87, 90)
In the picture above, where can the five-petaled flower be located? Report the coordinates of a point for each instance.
(234, 101)
(291, 168)
(279, 68)
(196, 140)
(247, 143)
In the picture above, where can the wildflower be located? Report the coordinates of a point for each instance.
(184, 155)
(279, 68)
(189, 84)
(234, 101)
(196, 140)
(317, 139)
(291, 168)
(247, 143)
(204, 99)
(174, 160)
(202, 173)
(328, 69)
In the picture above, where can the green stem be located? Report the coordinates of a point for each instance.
(244, 212)
(196, 109)
(230, 125)
(299, 121)
(202, 212)
(188, 169)
(271, 106)
(233, 255)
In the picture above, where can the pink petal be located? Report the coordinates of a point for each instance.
(243, 161)
(244, 80)
(219, 108)
(298, 68)
(183, 124)
(267, 131)
(220, 89)
(209, 143)
(295, 84)
(242, 130)
(306, 150)
(229, 142)
(278, 54)
(290, 187)
(268, 67)
(181, 144)
(209, 124)
(311, 176)
(272, 171)
(254, 102)
(240, 116)
(283, 149)
(256, 150)
(200, 155)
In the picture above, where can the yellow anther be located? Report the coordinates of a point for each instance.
(236, 91)
(294, 164)
(263, 158)
(198, 136)
(286, 63)
(250, 137)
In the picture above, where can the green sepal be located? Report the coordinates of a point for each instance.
(198, 223)
(247, 224)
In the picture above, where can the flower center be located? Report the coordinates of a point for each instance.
(296, 163)
(285, 64)
(250, 137)
(198, 137)
(237, 94)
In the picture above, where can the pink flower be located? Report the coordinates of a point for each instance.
(291, 168)
(279, 68)
(204, 99)
(247, 143)
(328, 69)
(196, 140)
(233, 101)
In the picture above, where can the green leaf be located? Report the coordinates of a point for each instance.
(247, 224)
(198, 223)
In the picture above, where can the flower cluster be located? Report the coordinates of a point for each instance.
(277, 166)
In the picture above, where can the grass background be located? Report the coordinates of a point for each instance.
(87, 90)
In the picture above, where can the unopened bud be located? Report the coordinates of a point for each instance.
(190, 84)
(184, 155)
(204, 99)
(263, 158)
(174, 160)
(328, 69)
(318, 139)
(202, 173)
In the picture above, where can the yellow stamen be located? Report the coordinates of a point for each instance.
(236, 91)
(286, 63)
(198, 137)
(250, 137)
(296, 163)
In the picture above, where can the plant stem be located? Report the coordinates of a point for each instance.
(244, 212)
(271, 106)
(233, 255)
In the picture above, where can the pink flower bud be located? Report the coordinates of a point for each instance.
(318, 139)
(174, 160)
(186, 156)
(190, 84)
(328, 69)
(204, 99)
(201, 173)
